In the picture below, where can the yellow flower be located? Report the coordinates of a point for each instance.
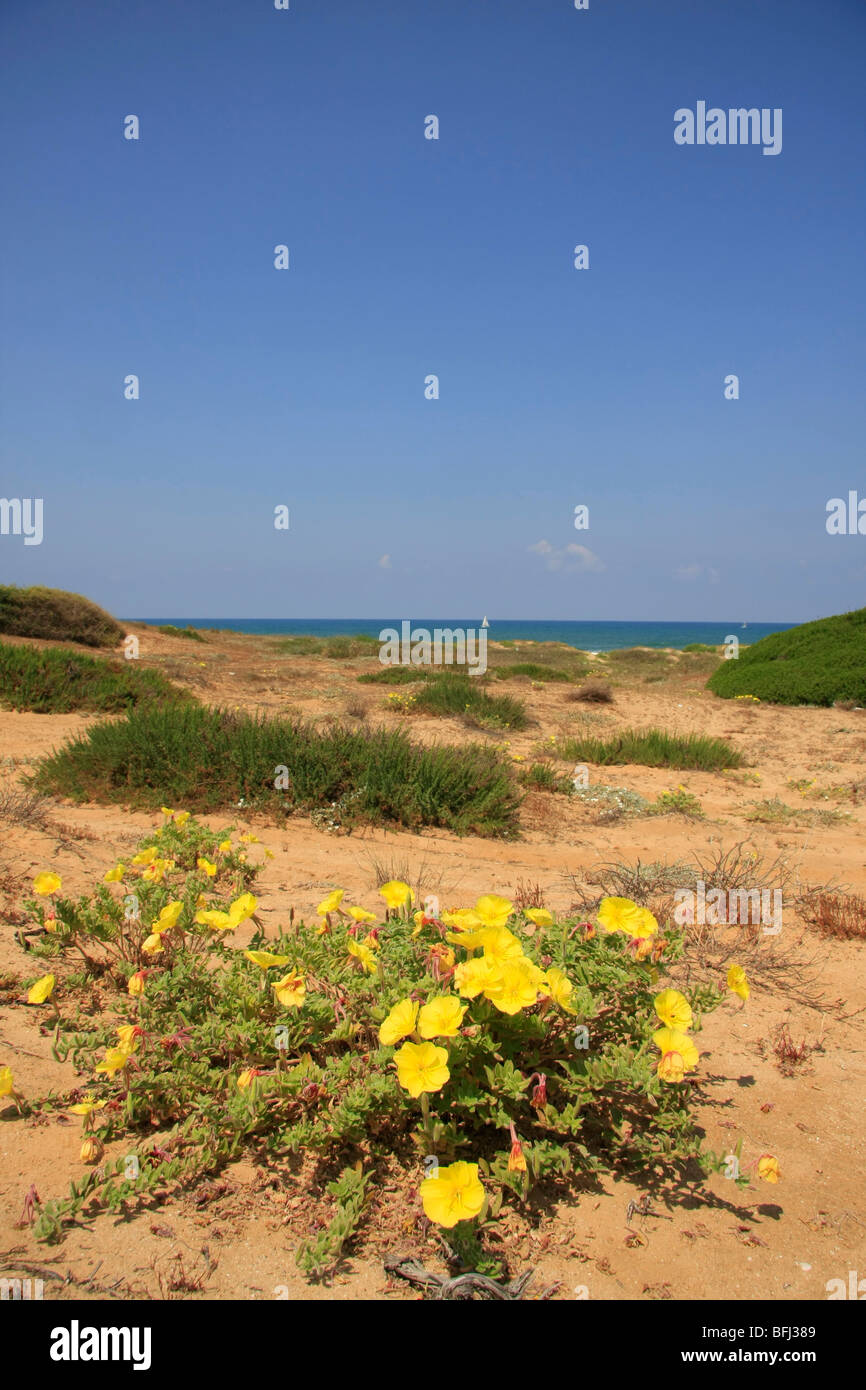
(397, 894)
(671, 1067)
(206, 866)
(242, 908)
(88, 1104)
(155, 872)
(331, 902)
(249, 838)
(618, 914)
(6, 1086)
(371, 941)
(539, 915)
(644, 925)
(557, 984)
(181, 817)
(91, 1150)
(136, 984)
(246, 1078)
(360, 914)
(146, 856)
(737, 981)
(216, 920)
(167, 811)
(169, 915)
(400, 1022)
(364, 955)
(291, 990)
(673, 1009)
(474, 977)
(464, 919)
(672, 1040)
(517, 986)
(493, 910)
(265, 959)
(116, 1058)
(115, 875)
(41, 991)
(421, 1067)
(500, 944)
(441, 1017)
(46, 883)
(455, 1194)
(768, 1168)
(224, 846)
(129, 1034)
(153, 945)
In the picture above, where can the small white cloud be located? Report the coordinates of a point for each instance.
(568, 559)
(385, 562)
(690, 573)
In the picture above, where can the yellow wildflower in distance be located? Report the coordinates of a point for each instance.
(361, 914)
(455, 1194)
(331, 902)
(397, 894)
(557, 984)
(145, 856)
(441, 1017)
(738, 982)
(618, 914)
(116, 1058)
(169, 916)
(114, 875)
(400, 1022)
(768, 1168)
(669, 1040)
(493, 910)
(47, 883)
(464, 919)
(291, 990)
(136, 986)
(265, 959)
(500, 944)
(673, 1009)
(644, 925)
(41, 991)
(206, 866)
(167, 812)
(87, 1105)
(421, 1067)
(224, 846)
(152, 945)
(474, 977)
(539, 915)
(517, 986)
(242, 908)
(181, 817)
(363, 954)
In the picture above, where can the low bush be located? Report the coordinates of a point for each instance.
(55, 680)
(819, 663)
(652, 748)
(54, 614)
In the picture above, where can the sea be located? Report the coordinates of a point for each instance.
(586, 636)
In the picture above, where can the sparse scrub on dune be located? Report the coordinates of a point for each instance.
(651, 748)
(541, 777)
(592, 692)
(837, 914)
(337, 648)
(190, 632)
(55, 615)
(55, 680)
(533, 670)
(462, 697)
(211, 759)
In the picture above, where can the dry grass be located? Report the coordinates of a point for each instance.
(592, 692)
(838, 914)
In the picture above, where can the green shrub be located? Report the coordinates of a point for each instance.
(817, 663)
(171, 631)
(54, 614)
(542, 777)
(652, 748)
(55, 680)
(462, 696)
(208, 759)
(534, 670)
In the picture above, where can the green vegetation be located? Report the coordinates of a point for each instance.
(293, 1046)
(651, 748)
(819, 663)
(542, 777)
(336, 648)
(171, 631)
(458, 695)
(55, 680)
(55, 615)
(396, 675)
(207, 760)
(534, 670)
(699, 647)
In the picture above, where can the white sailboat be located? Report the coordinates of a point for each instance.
(485, 623)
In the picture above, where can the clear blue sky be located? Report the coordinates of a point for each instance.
(454, 257)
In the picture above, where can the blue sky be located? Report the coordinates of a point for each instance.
(410, 257)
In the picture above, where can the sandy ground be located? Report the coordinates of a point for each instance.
(236, 1238)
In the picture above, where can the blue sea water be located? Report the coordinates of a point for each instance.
(595, 637)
